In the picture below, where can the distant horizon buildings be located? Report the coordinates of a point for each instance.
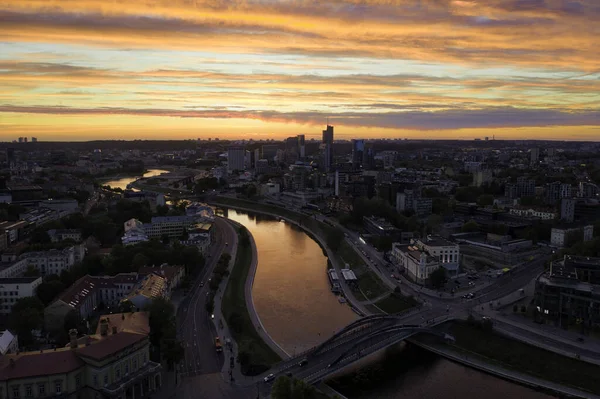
(358, 150)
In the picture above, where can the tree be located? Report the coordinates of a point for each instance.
(485, 200)
(334, 238)
(438, 277)
(126, 306)
(282, 388)
(27, 314)
(31, 271)
(470, 226)
(139, 261)
(165, 239)
(48, 290)
(162, 314)
(39, 236)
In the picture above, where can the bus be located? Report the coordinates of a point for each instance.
(218, 345)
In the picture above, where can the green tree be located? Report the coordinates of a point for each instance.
(31, 271)
(126, 306)
(438, 277)
(27, 314)
(485, 200)
(48, 290)
(334, 238)
(470, 226)
(139, 260)
(282, 388)
(162, 330)
(165, 239)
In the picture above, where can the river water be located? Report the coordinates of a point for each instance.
(124, 181)
(292, 297)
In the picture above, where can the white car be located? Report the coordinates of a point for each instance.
(268, 378)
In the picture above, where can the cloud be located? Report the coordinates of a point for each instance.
(415, 120)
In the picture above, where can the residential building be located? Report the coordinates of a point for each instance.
(15, 288)
(9, 343)
(150, 287)
(14, 231)
(567, 209)
(236, 158)
(556, 191)
(569, 294)
(173, 275)
(566, 236)
(55, 261)
(57, 235)
(534, 156)
(446, 252)
(84, 296)
(134, 232)
(172, 226)
(113, 363)
(587, 190)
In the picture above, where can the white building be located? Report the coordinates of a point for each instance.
(561, 236)
(533, 213)
(172, 226)
(417, 263)
(54, 261)
(446, 252)
(13, 289)
(9, 343)
(57, 235)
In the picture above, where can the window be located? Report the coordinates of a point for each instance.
(118, 372)
(95, 378)
(126, 368)
(58, 386)
(41, 389)
(105, 379)
(16, 391)
(145, 357)
(78, 380)
(135, 364)
(28, 391)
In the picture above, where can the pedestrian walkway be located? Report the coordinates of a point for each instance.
(512, 375)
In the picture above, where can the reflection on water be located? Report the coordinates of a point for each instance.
(291, 292)
(407, 371)
(124, 181)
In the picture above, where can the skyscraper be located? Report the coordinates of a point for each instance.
(236, 157)
(301, 147)
(535, 155)
(328, 148)
(358, 150)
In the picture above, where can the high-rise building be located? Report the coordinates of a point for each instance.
(24, 139)
(358, 150)
(11, 159)
(301, 146)
(328, 148)
(34, 139)
(269, 151)
(20, 139)
(535, 155)
(236, 157)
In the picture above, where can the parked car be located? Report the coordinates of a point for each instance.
(269, 378)
(303, 362)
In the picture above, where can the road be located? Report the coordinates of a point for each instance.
(195, 328)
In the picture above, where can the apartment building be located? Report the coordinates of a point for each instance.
(13, 289)
(112, 363)
(57, 235)
(55, 261)
(172, 226)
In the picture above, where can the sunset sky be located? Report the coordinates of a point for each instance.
(172, 69)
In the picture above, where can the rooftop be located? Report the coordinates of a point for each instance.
(33, 364)
(18, 280)
(79, 291)
(437, 241)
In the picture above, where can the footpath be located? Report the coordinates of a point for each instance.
(234, 374)
(502, 372)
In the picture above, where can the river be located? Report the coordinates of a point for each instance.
(122, 182)
(292, 297)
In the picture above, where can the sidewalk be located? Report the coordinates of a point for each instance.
(524, 379)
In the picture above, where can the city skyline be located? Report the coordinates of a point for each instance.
(157, 69)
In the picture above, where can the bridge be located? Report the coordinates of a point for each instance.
(355, 341)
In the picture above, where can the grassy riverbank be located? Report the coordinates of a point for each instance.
(369, 284)
(475, 341)
(254, 355)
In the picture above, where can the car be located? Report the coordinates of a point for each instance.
(393, 276)
(303, 362)
(201, 283)
(269, 378)
(226, 244)
(580, 339)
(212, 316)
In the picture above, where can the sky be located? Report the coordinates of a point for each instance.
(183, 69)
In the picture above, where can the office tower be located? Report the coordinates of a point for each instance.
(235, 158)
(20, 139)
(358, 150)
(301, 146)
(535, 155)
(328, 148)
(34, 139)
(291, 144)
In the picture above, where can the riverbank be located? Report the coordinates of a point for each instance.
(489, 351)
(256, 351)
(316, 230)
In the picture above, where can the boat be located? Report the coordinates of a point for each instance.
(341, 299)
